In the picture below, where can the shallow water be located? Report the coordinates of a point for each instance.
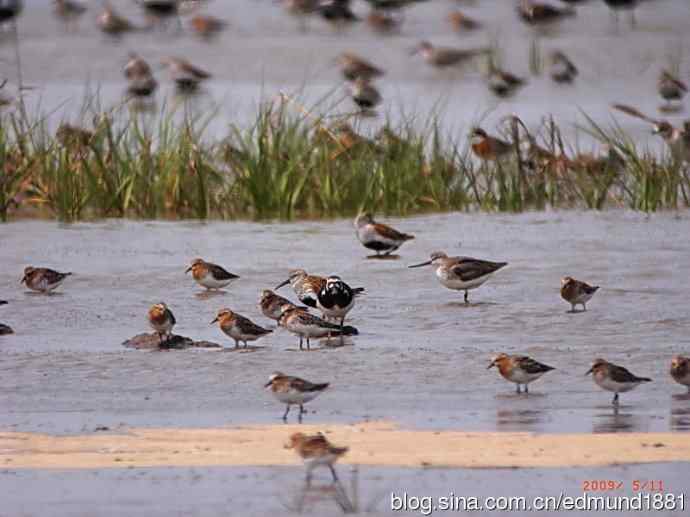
(263, 52)
(421, 357)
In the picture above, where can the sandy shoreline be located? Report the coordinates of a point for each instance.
(378, 443)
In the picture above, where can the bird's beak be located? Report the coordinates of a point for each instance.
(188, 269)
(414, 51)
(23, 279)
(590, 371)
(215, 320)
(268, 384)
(282, 284)
(422, 264)
(493, 363)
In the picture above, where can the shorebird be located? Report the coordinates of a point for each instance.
(336, 12)
(9, 10)
(534, 13)
(112, 23)
(336, 299)
(306, 286)
(576, 293)
(5, 329)
(461, 273)
(671, 88)
(519, 369)
(271, 304)
(160, 11)
(354, 67)
(680, 370)
(307, 326)
(301, 9)
(186, 76)
(316, 450)
(443, 57)
(562, 70)
(141, 82)
(69, 12)
(379, 237)
(42, 279)
(365, 95)
(238, 327)
(383, 22)
(293, 391)
(502, 83)
(136, 66)
(489, 148)
(209, 275)
(612, 377)
(392, 5)
(462, 23)
(207, 27)
(162, 320)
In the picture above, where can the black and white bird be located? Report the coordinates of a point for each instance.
(336, 299)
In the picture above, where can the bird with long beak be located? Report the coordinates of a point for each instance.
(42, 279)
(209, 275)
(307, 326)
(316, 451)
(612, 377)
(461, 273)
(293, 391)
(680, 370)
(305, 286)
(162, 321)
(576, 292)
(238, 327)
(519, 369)
(444, 57)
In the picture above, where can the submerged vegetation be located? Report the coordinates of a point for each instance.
(291, 163)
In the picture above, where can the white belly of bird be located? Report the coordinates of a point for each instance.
(295, 397)
(236, 333)
(617, 387)
(368, 234)
(584, 298)
(522, 377)
(45, 287)
(310, 331)
(162, 328)
(211, 283)
(452, 282)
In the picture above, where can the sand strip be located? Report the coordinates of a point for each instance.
(377, 443)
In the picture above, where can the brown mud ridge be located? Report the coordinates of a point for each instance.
(371, 443)
(173, 342)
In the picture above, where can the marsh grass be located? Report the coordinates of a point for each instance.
(295, 163)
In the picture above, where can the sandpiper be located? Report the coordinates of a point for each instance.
(272, 304)
(443, 57)
(69, 12)
(307, 326)
(671, 88)
(136, 66)
(354, 67)
(162, 320)
(461, 273)
(503, 83)
(5, 329)
(141, 83)
(207, 27)
(209, 275)
(186, 76)
(293, 391)
(365, 95)
(383, 22)
(238, 327)
(379, 237)
(576, 292)
(680, 370)
(462, 23)
(306, 286)
(612, 377)
(316, 450)
(489, 148)
(112, 23)
(562, 70)
(519, 369)
(534, 13)
(336, 12)
(42, 279)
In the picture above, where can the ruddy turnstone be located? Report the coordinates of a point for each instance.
(354, 67)
(336, 12)
(306, 286)
(238, 327)
(562, 70)
(379, 237)
(365, 95)
(272, 304)
(461, 273)
(307, 326)
(112, 23)
(293, 391)
(336, 299)
(161, 11)
(576, 292)
(209, 275)
(162, 320)
(534, 13)
(185, 75)
(9, 10)
(680, 370)
(462, 23)
(519, 369)
(42, 279)
(489, 148)
(316, 450)
(5, 329)
(612, 377)
(443, 57)
(671, 88)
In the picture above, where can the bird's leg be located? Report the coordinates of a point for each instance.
(301, 409)
(308, 344)
(287, 410)
(466, 297)
(584, 307)
(300, 342)
(526, 389)
(237, 343)
(572, 307)
(245, 343)
(517, 389)
(308, 480)
(335, 476)
(342, 326)
(615, 399)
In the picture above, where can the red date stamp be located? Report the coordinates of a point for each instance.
(611, 485)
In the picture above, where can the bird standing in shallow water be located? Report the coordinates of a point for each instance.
(336, 299)
(162, 320)
(519, 369)
(443, 57)
(293, 391)
(461, 273)
(680, 370)
(305, 286)
(238, 327)
(42, 279)
(562, 70)
(209, 275)
(307, 326)
(379, 237)
(671, 88)
(69, 12)
(186, 76)
(612, 377)
(576, 292)
(5, 329)
(316, 451)
(112, 23)
(365, 95)
(271, 304)
(138, 73)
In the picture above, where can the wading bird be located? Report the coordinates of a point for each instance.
(293, 391)
(209, 275)
(162, 321)
(238, 327)
(42, 279)
(519, 369)
(316, 451)
(379, 237)
(611, 377)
